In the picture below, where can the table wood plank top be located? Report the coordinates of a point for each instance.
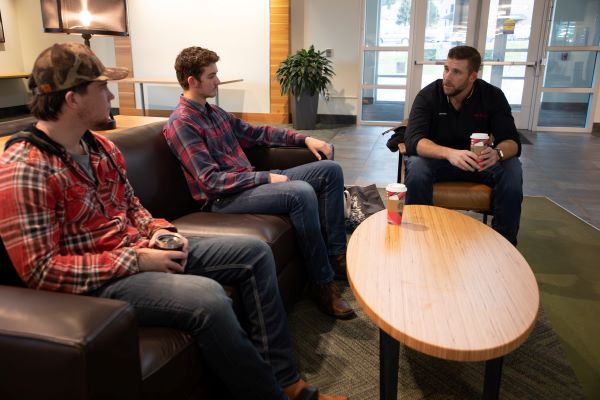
(443, 284)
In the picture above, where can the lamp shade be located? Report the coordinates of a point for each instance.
(97, 17)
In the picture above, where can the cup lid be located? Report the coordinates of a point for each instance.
(479, 136)
(395, 187)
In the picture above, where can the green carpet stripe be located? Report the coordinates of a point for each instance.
(563, 252)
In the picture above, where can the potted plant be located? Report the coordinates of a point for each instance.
(304, 75)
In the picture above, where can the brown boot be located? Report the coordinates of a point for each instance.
(332, 397)
(331, 303)
(301, 391)
(338, 264)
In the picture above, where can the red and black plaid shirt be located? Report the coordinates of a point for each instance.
(65, 231)
(209, 143)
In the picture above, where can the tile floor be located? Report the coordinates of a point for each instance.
(562, 166)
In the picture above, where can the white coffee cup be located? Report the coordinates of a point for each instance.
(479, 141)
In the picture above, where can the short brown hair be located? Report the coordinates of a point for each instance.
(47, 106)
(466, 53)
(191, 62)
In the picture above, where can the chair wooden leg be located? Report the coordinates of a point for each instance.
(400, 166)
(485, 218)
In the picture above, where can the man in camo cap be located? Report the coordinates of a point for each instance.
(66, 65)
(71, 223)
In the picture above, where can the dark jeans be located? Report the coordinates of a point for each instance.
(313, 198)
(254, 364)
(505, 178)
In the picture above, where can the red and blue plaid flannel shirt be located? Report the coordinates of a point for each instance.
(209, 143)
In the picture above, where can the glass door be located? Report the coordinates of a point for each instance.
(566, 95)
(510, 46)
(406, 43)
(386, 61)
(502, 32)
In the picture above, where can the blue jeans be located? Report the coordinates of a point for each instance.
(505, 178)
(313, 198)
(254, 364)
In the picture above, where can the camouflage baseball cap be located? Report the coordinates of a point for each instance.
(65, 65)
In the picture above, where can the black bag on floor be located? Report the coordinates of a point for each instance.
(360, 202)
(396, 138)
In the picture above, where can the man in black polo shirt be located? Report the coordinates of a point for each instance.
(443, 117)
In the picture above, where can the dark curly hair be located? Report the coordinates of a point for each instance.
(466, 53)
(191, 62)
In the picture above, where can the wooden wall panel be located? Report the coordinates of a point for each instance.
(279, 50)
(123, 58)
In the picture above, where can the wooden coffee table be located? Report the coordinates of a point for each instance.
(443, 284)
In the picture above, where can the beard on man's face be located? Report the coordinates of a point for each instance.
(95, 122)
(452, 91)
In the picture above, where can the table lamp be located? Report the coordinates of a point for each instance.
(87, 18)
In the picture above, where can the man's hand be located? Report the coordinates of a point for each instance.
(316, 146)
(463, 159)
(152, 244)
(160, 260)
(487, 158)
(277, 178)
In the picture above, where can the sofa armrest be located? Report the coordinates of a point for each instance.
(268, 158)
(57, 345)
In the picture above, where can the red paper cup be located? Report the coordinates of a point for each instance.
(395, 201)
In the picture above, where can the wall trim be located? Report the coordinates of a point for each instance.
(337, 119)
(260, 118)
(255, 118)
(14, 111)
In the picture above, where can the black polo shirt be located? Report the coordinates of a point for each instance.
(433, 117)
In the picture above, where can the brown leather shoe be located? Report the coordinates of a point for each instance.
(338, 264)
(308, 393)
(331, 302)
(332, 397)
(301, 391)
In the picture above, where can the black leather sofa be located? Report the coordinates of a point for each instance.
(60, 346)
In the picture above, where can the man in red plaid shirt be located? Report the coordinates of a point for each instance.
(209, 143)
(71, 223)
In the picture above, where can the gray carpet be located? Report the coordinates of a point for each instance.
(343, 357)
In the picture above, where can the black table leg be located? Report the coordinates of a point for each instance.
(389, 352)
(491, 382)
